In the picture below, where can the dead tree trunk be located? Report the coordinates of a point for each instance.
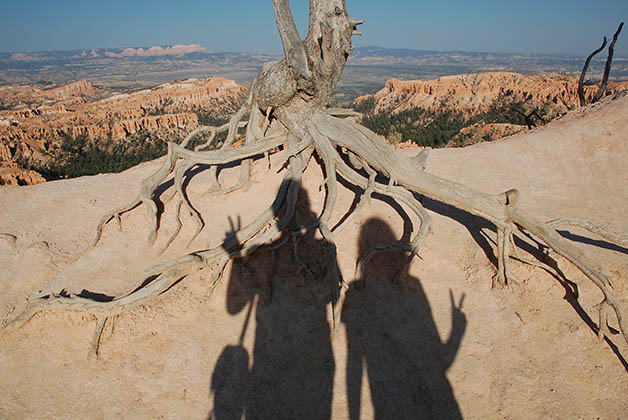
(287, 108)
(607, 69)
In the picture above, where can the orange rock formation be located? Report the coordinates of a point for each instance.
(476, 92)
(19, 176)
(38, 119)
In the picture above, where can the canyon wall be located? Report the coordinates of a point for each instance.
(477, 92)
(491, 105)
(36, 120)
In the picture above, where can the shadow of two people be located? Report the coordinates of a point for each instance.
(390, 331)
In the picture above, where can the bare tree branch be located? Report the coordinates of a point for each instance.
(583, 102)
(607, 68)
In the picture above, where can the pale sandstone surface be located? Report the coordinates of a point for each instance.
(526, 352)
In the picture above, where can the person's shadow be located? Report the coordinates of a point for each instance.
(392, 338)
(293, 366)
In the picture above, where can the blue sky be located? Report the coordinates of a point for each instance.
(573, 27)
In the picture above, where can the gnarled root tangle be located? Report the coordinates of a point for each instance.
(344, 149)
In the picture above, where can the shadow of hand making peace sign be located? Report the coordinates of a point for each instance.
(392, 338)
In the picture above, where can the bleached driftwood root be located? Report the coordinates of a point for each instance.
(287, 111)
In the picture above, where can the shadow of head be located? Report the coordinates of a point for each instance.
(383, 265)
(251, 273)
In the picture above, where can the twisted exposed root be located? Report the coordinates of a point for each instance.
(505, 250)
(603, 310)
(574, 255)
(328, 154)
(191, 158)
(333, 162)
(115, 214)
(252, 135)
(163, 277)
(160, 278)
(412, 247)
(142, 198)
(176, 230)
(156, 280)
(604, 285)
(499, 209)
(365, 198)
(370, 186)
(178, 182)
(103, 318)
(94, 350)
(516, 255)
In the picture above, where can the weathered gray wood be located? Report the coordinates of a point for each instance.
(617, 238)
(293, 49)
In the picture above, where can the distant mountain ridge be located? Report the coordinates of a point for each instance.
(191, 51)
(375, 50)
(367, 65)
(130, 68)
(152, 51)
(184, 49)
(432, 64)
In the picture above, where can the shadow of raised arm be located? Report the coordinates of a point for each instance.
(458, 328)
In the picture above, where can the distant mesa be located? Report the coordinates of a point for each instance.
(158, 51)
(29, 58)
(154, 51)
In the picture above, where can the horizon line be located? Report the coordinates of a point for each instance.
(214, 51)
